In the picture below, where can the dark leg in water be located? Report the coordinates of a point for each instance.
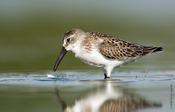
(106, 77)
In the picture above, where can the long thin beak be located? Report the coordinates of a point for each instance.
(60, 57)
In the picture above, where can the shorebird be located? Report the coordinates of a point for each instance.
(102, 50)
(108, 99)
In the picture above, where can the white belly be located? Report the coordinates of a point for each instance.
(95, 58)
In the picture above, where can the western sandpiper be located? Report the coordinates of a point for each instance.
(108, 99)
(102, 50)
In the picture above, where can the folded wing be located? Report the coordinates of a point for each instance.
(114, 48)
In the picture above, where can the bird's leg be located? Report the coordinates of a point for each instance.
(107, 72)
(106, 77)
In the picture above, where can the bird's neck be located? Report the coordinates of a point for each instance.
(77, 47)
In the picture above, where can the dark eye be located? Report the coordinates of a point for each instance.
(68, 40)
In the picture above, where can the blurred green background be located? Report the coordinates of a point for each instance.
(31, 30)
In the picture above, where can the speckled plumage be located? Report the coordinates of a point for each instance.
(114, 48)
(102, 50)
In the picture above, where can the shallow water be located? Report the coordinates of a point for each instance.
(36, 92)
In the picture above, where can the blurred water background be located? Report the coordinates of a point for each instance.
(31, 31)
(30, 39)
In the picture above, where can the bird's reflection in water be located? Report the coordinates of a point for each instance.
(108, 99)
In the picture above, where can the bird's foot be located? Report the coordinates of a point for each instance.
(106, 77)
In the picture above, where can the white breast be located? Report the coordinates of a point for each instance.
(94, 57)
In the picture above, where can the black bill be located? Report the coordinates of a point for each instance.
(60, 57)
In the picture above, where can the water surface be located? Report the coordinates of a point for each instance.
(36, 92)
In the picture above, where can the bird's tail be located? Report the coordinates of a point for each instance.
(148, 50)
(156, 49)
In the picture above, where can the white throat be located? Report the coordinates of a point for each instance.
(76, 47)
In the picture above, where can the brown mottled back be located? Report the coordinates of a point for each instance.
(114, 48)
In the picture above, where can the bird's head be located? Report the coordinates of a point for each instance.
(70, 39)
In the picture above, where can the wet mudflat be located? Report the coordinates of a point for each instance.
(87, 91)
